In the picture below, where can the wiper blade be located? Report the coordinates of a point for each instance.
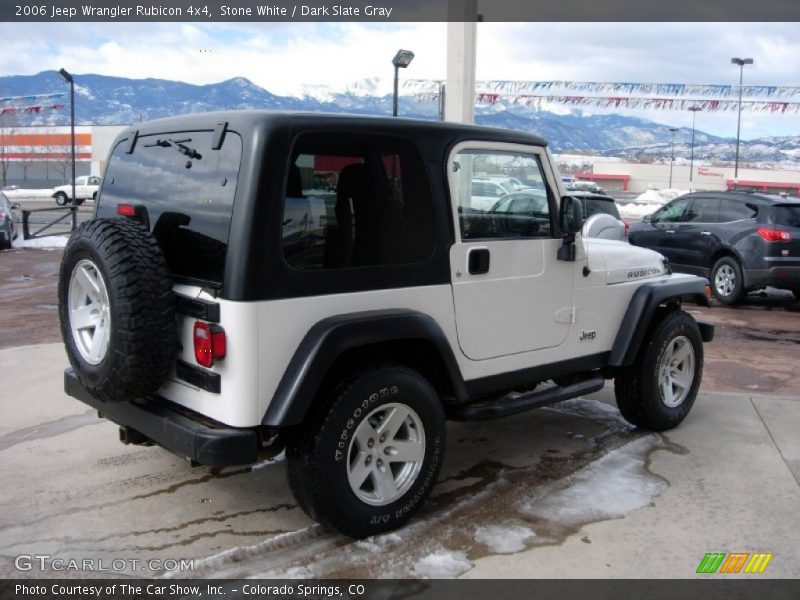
(179, 145)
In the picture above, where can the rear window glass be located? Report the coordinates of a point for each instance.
(187, 190)
(593, 206)
(788, 215)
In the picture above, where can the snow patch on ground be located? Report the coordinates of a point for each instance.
(23, 194)
(613, 486)
(658, 196)
(50, 242)
(504, 539)
(595, 410)
(269, 461)
(636, 211)
(442, 564)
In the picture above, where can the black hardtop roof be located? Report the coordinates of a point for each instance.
(251, 120)
(746, 196)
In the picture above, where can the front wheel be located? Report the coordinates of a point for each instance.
(365, 464)
(727, 281)
(658, 390)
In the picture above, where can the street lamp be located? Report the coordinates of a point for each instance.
(741, 62)
(695, 110)
(71, 81)
(401, 60)
(674, 130)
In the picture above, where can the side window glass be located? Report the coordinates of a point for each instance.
(673, 212)
(703, 210)
(731, 210)
(357, 201)
(491, 210)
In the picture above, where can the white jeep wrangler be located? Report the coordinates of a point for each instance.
(256, 281)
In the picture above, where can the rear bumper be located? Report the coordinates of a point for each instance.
(198, 441)
(787, 278)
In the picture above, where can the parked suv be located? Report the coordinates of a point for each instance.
(8, 221)
(743, 241)
(221, 305)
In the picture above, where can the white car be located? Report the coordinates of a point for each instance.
(86, 187)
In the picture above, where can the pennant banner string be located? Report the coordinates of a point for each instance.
(703, 104)
(33, 109)
(617, 88)
(32, 98)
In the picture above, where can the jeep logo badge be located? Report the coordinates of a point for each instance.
(587, 335)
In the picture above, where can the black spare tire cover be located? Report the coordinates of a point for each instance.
(117, 309)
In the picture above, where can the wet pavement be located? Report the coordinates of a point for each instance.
(566, 491)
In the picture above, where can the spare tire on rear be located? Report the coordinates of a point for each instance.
(117, 309)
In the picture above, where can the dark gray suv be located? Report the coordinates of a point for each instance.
(742, 241)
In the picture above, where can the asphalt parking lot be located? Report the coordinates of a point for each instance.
(567, 491)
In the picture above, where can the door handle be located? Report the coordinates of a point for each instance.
(670, 231)
(705, 233)
(478, 261)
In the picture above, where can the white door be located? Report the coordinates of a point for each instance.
(511, 294)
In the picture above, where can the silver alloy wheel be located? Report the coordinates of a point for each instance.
(725, 280)
(676, 371)
(89, 312)
(385, 454)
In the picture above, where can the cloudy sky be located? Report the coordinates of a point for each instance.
(293, 58)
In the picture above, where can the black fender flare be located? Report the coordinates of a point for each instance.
(642, 308)
(332, 336)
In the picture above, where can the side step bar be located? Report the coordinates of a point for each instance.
(517, 403)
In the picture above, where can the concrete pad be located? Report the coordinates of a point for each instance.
(781, 417)
(729, 491)
(723, 481)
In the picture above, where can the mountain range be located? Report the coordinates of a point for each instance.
(104, 100)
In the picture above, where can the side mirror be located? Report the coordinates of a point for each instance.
(570, 215)
(647, 218)
(570, 220)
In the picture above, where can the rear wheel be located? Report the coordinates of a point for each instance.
(727, 281)
(658, 390)
(368, 460)
(61, 199)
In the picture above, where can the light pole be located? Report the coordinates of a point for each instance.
(741, 62)
(695, 110)
(401, 60)
(674, 130)
(71, 81)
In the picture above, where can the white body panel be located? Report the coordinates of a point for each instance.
(529, 310)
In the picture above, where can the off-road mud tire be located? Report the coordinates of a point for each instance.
(141, 306)
(318, 455)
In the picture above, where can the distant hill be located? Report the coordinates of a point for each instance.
(106, 100)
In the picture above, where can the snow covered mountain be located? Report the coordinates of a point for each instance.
(106, 100)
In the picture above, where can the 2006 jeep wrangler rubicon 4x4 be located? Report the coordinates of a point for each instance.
(258, 281)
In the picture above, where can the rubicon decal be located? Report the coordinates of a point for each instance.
(734, 562)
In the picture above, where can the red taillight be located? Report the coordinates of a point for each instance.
(2, 216)
(209, 343)
(126, 210)
(774, 235)
(627, 227)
